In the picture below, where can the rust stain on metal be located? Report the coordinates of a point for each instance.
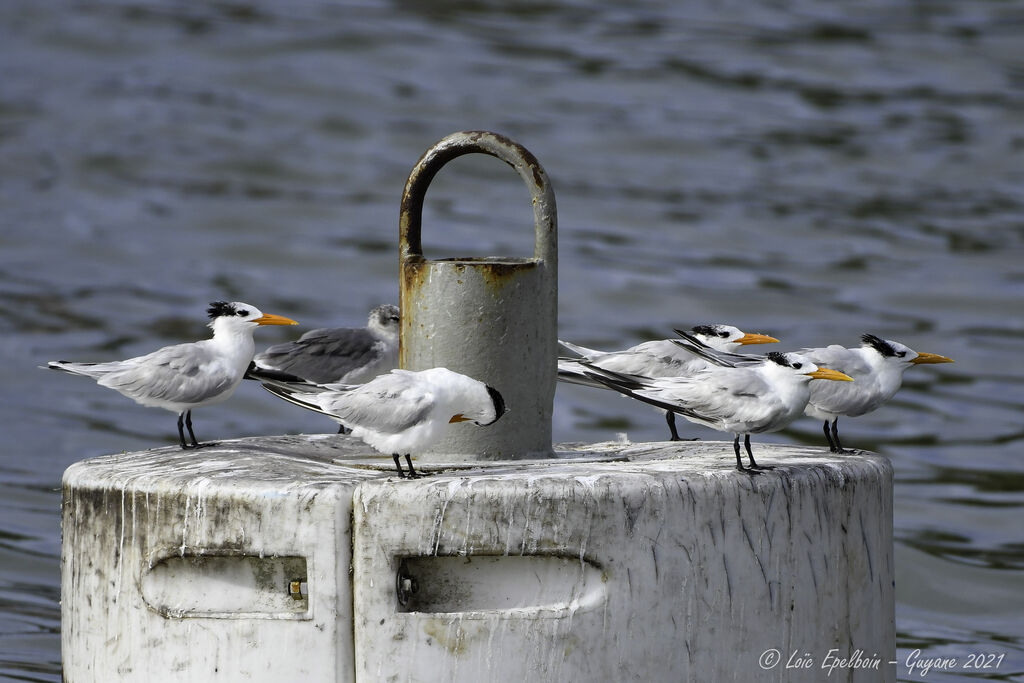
(414, 272)
(495, 272)
(499, 275)
(537, 175)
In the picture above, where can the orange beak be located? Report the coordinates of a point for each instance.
(756, 339)
(458, 418)
(929, 358)
(827, 373)
(271, 319)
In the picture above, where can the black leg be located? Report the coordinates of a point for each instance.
(835, 436)
(750, 456)
(181, 431)
(670, 418)
(413, 474)
(191, 434)
(739, 460)
(342, 430)
(828, 437)
(398, 465)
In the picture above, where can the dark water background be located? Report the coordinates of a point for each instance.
(812, 170)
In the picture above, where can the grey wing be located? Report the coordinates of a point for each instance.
(185, 373)
(641, 388)
(836, 357)
(719, 397)
(661, 358)
(745, 398)
(389, 404)
(570, 370)
(324, 355)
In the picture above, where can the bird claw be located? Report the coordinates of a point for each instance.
(749, 470)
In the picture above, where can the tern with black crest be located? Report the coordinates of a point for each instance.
(183, 377)
(738, 394)
(877, 367)
(660, 358)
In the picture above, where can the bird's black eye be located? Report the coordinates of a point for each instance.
(723, 334)
(901, 354)
(797, 366)
(242, 312)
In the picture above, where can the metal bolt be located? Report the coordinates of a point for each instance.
(405, 585)
(298, 589)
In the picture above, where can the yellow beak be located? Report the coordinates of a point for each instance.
(458, 418)
(271, 319)
(826, 373)
(756, 339)
(929, 358)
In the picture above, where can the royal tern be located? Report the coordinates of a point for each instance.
(877, 367)
(403, 411)
(742, 395)
(183, 377)
(661, 358)
(339, 354)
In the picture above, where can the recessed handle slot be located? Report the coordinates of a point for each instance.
(227, 586)
(488, 583)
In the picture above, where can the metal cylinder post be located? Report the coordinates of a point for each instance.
(492, 318)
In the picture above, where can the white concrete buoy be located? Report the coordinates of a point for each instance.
(302, 558)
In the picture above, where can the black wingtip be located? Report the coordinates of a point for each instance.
(614, 380)
(692, 339)
(259, 374)
(702, 350)
(289, 395)
(59, 365)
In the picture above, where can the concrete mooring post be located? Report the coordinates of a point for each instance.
(303, 557)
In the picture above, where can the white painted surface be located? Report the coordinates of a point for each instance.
(236, 517)
(703, 568)
(643, 562)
